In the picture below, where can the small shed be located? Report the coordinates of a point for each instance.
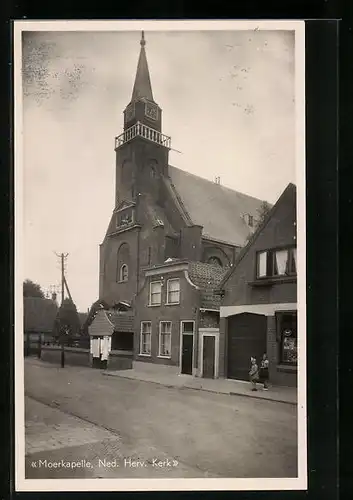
(111, 332)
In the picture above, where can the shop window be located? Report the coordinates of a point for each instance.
(287, 326)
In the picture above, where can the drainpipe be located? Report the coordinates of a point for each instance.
(138, 262)
(197, 336)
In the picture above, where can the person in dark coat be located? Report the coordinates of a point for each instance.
(264, 371)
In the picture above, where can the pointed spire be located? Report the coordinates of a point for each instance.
(142, 86)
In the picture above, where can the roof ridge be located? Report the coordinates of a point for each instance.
(185, 214)
(221, 186)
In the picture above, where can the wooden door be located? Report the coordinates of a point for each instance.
(246, 337)
(186, 354)
(208, 358)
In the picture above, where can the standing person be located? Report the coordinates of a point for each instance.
(264, 372)
(254, 373)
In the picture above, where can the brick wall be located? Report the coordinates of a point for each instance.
(279, 231)
(209, 319)
(225, 253)
(190, 243)
(117, 361)
(185, 311)
(74, 356)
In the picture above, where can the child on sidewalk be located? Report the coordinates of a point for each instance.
(264, 374)
(254, 374)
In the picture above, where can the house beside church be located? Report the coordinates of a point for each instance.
(170, 240)
(38, 321)
(258, 313)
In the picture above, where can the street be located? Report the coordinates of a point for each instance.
(80, 424)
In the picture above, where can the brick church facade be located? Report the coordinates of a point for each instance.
(171, 238)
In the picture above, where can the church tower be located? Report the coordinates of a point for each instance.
(141, 149)
(135, 237)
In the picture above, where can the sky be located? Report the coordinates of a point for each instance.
(228, 101)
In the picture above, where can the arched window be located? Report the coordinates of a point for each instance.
(215, 261)
(124, 273)
(123, 262)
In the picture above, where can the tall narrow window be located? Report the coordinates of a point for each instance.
(123, 259)
(165, 338)
(124, 273)
(262, 264)
(145, 338)
(281, 262)
(155, 293)
(173, 291)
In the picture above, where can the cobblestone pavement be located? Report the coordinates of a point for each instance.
(60, 446)
(75, 414)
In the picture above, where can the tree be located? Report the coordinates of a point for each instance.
(262, 212)
(67, 322)
(31, 289)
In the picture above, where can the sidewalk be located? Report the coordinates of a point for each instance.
(221, 386)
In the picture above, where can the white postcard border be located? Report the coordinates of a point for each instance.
(202, 484)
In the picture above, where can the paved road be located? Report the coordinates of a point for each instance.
(76, 414)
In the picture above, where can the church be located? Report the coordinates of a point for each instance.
(171, 239)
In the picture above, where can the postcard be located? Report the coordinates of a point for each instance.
(160, 276)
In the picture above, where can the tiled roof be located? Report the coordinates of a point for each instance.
(220, 210)
(207, 277)
(122, 322)
(39, 314)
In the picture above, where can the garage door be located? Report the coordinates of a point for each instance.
(246, 338)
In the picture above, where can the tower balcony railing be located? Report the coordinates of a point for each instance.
(140, 130)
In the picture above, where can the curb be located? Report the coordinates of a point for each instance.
(169, 386)
(293, 403)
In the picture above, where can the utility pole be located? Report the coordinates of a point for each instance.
(62, 257)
